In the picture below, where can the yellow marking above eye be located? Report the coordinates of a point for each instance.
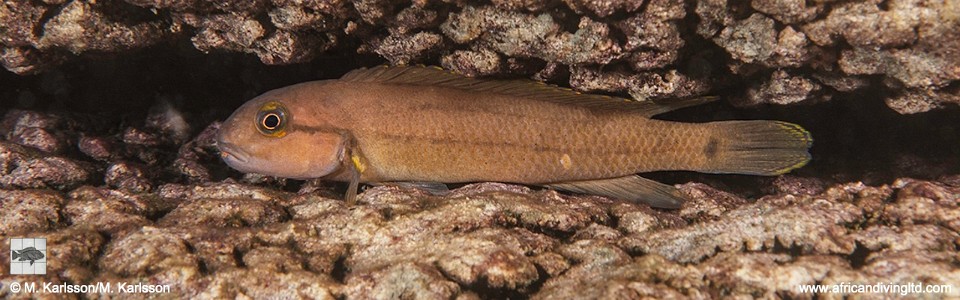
(271, 119)
(272, 105)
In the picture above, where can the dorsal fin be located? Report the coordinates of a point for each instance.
(435, 76)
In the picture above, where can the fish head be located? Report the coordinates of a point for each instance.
(280, 134)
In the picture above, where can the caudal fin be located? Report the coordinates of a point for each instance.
(757, 148)
(15, 254)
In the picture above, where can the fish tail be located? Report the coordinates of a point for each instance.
(756, 148)
(16, 254)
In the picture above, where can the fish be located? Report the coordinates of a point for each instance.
(28, 253)
(427, 125)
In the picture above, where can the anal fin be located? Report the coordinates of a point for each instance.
(633, 188)
(434, 188)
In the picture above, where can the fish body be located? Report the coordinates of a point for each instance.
(29, 253)
(422, 124)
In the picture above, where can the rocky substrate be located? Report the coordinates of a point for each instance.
(109, 212)
(771, 51)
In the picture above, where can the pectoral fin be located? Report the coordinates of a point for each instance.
(355, 165)
(351, 197)
(633, 188)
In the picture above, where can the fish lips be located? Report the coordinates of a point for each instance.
(232, 155)
(240, 160)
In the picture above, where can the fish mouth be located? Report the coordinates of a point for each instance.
(230, 152)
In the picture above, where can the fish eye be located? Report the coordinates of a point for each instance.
(271, 119)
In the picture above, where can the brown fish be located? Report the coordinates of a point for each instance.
(422, 124)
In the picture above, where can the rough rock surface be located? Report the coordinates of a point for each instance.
(491, 239)
(785, 51)
(133, 193)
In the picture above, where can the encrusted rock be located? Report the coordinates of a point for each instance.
(908, 41)
(19, 19)
(79, 27)
(224, 213)
(99, 148)
(605, 271)
(913, 101)
(112, 210)
(154, 256)
(920, 201)
(27, 60)
(73, 252)
(865, 24)
(228, 239)
(224, 190)
(642, 87)
(654, 37)
(267, 284)
(402, 49)
(409, 279)
(787, 11)
(707, 203)
(34, 129)
(473, 63)
(521, 35)
(783, 88)
(29, 211)
(128, 177)
(767, 274)
(751, 40)
(603, 8)
(191, 154)
(816, 227)
(22, 167)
